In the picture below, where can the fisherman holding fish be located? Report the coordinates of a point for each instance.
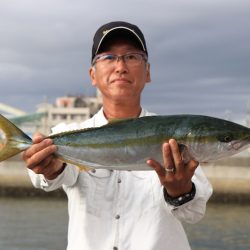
(119, 209)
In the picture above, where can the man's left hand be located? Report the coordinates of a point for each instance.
(175, 175)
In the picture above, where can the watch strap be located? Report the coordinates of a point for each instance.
(180, 200)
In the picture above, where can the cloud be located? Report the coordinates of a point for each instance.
(198, 50)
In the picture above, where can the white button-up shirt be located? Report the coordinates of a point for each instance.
(123, 209)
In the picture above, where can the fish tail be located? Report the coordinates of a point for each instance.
(12, 139)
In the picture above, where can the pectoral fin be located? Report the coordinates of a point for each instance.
(185, 154)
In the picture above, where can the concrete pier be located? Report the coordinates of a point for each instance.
(230, 179)
(15, 182)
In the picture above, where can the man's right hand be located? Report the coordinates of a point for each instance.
(41, 158)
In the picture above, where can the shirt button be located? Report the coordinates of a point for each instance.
(119, 181)
(93, 171)
(115, 248)
(117, 216)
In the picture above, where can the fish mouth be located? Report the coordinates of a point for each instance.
(241, 144)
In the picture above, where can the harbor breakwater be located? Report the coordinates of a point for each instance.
(230, 179)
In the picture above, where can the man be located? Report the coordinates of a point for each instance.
(125, 210)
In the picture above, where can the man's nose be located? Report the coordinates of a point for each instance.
(121, 65)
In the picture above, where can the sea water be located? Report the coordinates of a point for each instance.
(41, 224)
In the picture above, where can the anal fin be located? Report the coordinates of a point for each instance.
(80, 166)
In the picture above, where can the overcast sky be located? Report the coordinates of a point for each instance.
(199, 51)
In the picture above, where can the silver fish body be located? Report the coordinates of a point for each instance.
(126, 145)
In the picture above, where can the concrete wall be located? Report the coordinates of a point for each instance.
(230, 179)
(15, 182)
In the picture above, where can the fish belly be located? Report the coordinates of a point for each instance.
(115, 158)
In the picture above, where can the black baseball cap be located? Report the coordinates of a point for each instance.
(112, 28)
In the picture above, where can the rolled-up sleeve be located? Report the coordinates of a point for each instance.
(68, 178)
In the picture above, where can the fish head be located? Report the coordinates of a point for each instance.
(228, 139)
(214, 139)
(233, 139)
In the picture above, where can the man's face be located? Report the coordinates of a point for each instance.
(119, 81)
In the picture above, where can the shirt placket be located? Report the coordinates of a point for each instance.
(117, 211)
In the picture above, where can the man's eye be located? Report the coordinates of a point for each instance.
(108, 58)
(131, 57)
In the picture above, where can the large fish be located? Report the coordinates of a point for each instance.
(126, 145)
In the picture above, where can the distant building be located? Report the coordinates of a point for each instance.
(68, 109)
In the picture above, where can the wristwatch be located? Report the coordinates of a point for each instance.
(180, 200)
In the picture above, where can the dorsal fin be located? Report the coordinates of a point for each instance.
(110, 123)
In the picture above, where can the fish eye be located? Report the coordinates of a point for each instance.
(225, 138)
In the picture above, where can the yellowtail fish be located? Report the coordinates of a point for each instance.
(128, 144)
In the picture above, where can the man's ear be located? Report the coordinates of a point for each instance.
(92, 76)
(148, 77)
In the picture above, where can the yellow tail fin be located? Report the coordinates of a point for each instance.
(12, 139)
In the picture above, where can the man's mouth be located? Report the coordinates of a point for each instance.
(120, 80)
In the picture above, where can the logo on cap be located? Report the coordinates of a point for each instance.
(105, 32)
